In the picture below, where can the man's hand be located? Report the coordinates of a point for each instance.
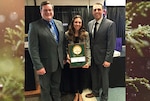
(41, 71)
(106, 64)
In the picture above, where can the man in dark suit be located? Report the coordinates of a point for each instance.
(47, 51)
(103, 36)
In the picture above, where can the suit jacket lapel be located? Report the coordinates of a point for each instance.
(46, 28)
(101, 25)
(60, 35)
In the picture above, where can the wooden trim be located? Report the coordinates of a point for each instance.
(33, 92)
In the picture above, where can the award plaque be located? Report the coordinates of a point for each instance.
(77, 55)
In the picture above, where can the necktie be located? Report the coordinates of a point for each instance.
(54, 31)
(95, 29)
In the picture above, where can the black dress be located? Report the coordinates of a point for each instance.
(75, 79)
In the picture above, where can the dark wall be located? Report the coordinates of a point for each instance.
(32, 13)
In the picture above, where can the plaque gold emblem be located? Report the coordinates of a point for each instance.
(77, 49)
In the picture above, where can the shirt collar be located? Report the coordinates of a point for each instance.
(99, 21)
(52, 21)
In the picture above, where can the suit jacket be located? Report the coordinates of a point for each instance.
(43, 49)
(102, 46)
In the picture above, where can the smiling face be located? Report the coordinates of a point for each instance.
(97, 11)
(47, 12)
(77, 24)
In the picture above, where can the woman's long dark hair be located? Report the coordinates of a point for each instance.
(71, 30)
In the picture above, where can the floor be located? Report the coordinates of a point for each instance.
(115, 94)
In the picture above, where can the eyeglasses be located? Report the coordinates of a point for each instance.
(97, 9)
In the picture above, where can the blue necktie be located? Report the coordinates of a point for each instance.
(54, 31)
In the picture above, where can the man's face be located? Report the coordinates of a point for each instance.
(97, 11)
(47, 12)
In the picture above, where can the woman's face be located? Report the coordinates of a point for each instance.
(77, 24)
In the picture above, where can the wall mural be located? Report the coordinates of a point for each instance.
(12, 50)
(138, 50)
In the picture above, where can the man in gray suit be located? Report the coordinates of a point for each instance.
(103, 35)
(47, 51)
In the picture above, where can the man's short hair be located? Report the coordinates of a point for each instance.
(45, 3)
(99, 4)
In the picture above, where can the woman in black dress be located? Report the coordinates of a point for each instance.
(77, 34)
